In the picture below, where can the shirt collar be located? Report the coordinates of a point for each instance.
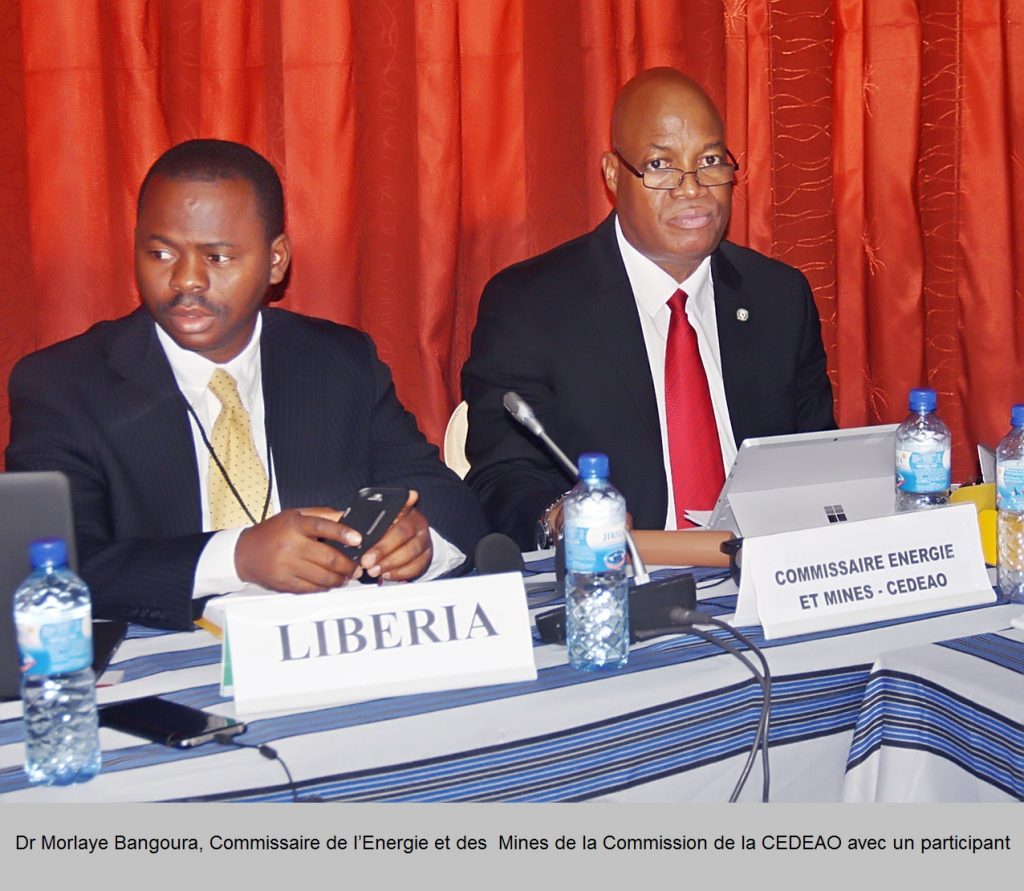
(193, 371)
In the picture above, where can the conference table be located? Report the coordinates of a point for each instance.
(923, 709)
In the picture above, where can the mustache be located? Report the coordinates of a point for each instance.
(188, 301)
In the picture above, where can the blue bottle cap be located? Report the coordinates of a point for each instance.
(922, 399)
(593, 465)
(1017, 415)
(47, 550)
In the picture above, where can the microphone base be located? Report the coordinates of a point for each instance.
(649, 607)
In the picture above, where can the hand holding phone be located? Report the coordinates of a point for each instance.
(168, 723)
(371, 515)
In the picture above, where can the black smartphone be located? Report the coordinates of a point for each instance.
(166, 722)
(371, 515)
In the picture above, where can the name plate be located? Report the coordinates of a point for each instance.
(868, 571)
(363, 642)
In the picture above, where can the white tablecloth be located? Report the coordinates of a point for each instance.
(675, 725)
(943, 722)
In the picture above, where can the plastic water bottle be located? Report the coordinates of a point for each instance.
(1010, 501)
(596, 590)
(923, 453)
(53, 616)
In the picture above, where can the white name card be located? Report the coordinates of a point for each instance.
(363, 642)
(868, 571)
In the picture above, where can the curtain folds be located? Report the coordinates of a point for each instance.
(424, 145)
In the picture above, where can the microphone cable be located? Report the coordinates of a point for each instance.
(765, 682)
(713, 581)
(686, 621)
(270, 753)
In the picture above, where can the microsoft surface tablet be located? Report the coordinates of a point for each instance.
(803, 480)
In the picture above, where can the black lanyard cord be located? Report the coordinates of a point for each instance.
(224, 472)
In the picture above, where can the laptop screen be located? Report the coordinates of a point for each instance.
(32, 505)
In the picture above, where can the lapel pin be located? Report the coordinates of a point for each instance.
(742, 314)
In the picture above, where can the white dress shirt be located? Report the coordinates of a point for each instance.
(215, 571)
(652, 289)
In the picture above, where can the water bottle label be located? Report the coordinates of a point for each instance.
(919, 470)
(1010, 485)
(57, 645)
(595, 548)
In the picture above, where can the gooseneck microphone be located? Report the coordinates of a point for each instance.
(516, 406)
(667, 606)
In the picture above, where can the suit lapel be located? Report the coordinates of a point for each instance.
(615, 317)
(290, 385)
(737, 341)
(155, 425)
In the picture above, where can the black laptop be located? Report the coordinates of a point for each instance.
(37, 505)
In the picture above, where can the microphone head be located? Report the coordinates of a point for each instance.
(516, 406)
(497, 553)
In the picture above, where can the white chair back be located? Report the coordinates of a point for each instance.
(455, 440)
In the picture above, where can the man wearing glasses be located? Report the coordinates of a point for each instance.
(649, 338)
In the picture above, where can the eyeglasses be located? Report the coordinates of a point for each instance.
(672, 177)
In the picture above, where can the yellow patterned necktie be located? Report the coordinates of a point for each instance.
(241, 477)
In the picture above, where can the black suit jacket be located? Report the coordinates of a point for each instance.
(104, 408)
(562, 330)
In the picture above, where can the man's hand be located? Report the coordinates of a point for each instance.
(284, 552)
(405, 550)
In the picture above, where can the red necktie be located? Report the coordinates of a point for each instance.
(695, 453)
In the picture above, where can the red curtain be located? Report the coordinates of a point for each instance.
(424, 145)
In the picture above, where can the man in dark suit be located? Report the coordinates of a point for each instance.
(128, 410)
(649, 338)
